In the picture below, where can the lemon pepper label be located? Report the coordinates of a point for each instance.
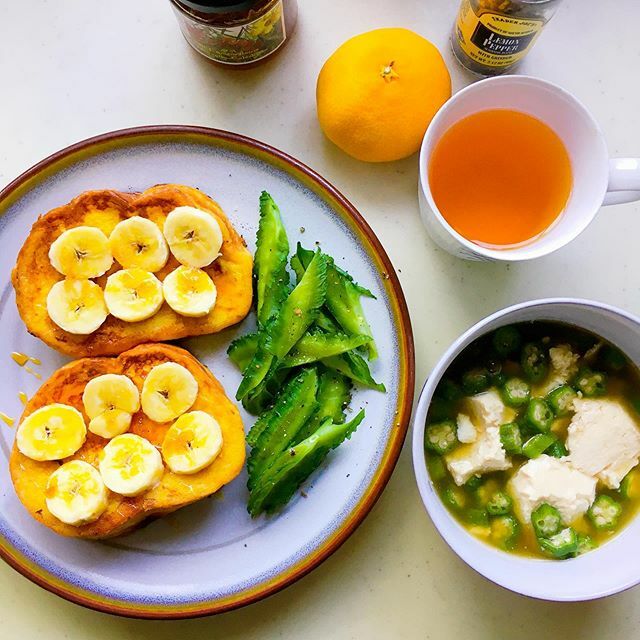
(492, 39)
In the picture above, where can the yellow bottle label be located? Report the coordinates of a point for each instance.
(493, 39)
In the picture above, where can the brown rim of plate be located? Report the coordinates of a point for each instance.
(379, 482)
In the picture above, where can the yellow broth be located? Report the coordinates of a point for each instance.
(623, 385)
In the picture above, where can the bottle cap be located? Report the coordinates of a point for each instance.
(219, 6)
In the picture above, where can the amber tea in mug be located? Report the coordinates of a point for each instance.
(500, 177)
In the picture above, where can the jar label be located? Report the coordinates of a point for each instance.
(493, 39)
(240, 44)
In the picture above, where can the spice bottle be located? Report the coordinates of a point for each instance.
(236, 33)
(490, 37)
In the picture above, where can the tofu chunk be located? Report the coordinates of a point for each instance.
(555, 481)
(563, 361)
(564, 365)
(466, 431)
(488, 410)
(486, 454)
(603, 440)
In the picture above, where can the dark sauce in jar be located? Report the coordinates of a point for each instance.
(236, 33)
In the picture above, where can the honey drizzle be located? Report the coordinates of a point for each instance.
(21, 360)
(8, 420)
(33, 373)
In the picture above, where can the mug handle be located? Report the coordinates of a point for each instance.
(624, 181)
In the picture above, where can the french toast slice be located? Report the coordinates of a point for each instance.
(174, 490)
(33, 275)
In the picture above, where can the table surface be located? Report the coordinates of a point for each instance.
(77, 68)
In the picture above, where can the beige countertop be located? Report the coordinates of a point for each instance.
(74, 68)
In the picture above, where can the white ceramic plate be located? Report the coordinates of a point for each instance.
(211, 556)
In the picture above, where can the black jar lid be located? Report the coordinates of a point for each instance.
(220, 6)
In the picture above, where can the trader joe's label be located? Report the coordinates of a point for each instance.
(492, 39)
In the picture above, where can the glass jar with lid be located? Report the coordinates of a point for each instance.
(236, 33)
(491, 37)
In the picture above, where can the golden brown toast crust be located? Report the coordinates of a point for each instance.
(174, 491)
(33, 275)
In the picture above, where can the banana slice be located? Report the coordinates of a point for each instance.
(109, 401)
(194, 236)
(133, 294)
(77, 306)
(168, 391)
(189, 292)
(110, 423)
(76, 494)
(138, 242)
(192, 443)
(81, 252)
(110, 391)
(53, 432)
(130, 465)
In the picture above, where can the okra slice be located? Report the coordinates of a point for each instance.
(515, 392)
(500, 503)
(441, 437)
(479, 517)
(534, 362)
(605, 512)
(505, 531)
(561, 400)
(539, 415)
(562, 544)
(316, 345)
(475, 381)
(294, 407)
(506, 340)
(436, 467)
(546, 521)
(454, 497)
(630, 485)
(591, 383)
(557, 450)
(448, 390)
(270, 261)
(537, 445)
(473, 483)
(242, 350)
(292, 467)
(333, 396)
(355, 367)
(585, 543)
(498, 379)
(511, 438)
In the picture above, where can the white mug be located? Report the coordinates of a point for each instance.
(597, 180)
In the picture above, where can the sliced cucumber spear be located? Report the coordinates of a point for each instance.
(270, 263)
(314, 346)
(355, 367)
(295, 316)
(334, 395)
(294, 407)
(291, 468)
(343, 298)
